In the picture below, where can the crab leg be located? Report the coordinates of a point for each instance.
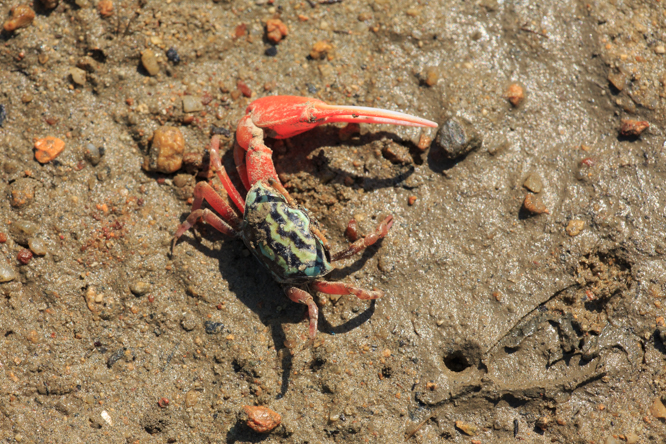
(342, 288)
(239, 159)
(216, 166)
(303, 297)
(202, 191)
(361, 244)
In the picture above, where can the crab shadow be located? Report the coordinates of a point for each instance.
(255, 288)
(298, 156)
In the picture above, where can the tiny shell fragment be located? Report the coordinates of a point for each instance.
(48, 149)
(515, 94)
(633, 128)
(574, 227)
(534, 205)
(22, 17)
(261, 419)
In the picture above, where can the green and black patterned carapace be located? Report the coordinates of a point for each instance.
(279, 236)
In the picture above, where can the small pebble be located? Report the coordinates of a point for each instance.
(657, 409)
(533, 183)
(467, 429)
(24, 256)
(574, 227)
(78, 76)
(271, 51)
(48, 149)
(633, 128)
(261, 419)
(105, 8)
(192, 104)
(457, 138)
(37, 246)
(212, 328)
(7, 273)
(276, 30)
(22, 230)
(431, 75)
(515, 94)
(3, 238)
(618, 80)
(3, 115)
(49, 4)
(149, 62)
(139, 288)
(659, 49)
(320, 50)
(534, 204)
(191, 398)
(166, 152)
(411, 200)
(188, 322)
(93, 154)
(22, 192)
(172, 56)
(22, 17)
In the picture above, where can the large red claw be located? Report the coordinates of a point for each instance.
(285, 116)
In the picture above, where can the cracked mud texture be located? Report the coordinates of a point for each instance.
(496, 323)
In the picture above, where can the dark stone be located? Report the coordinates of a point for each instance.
(457, 138)
(173, 56)
(271, 51)
(3, 115)
(213, 327)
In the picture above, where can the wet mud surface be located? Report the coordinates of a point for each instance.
(504, 320)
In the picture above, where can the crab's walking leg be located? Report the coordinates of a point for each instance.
(216, 166)
(202, 191)
(342, 288)
(239, 159)
(303, 297)
(361, 244)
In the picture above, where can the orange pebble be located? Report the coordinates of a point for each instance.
(411, 200)
(105, 8)
(48, 149)
(22, 17)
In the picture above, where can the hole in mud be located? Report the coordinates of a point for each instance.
(456, 361)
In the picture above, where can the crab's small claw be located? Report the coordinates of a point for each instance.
(281, 117)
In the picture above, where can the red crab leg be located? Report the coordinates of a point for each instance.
(216, 166)
(239, 159)
(211, 218)
(202, 191)
(303, 297)
(361, 244)
(342, 288)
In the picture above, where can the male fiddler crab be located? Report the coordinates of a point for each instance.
(281, 234)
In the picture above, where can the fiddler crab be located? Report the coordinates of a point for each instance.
(281, 234)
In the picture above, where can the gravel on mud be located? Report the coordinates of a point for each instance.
(498, 324)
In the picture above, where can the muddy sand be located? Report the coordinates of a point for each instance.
(524, 275)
